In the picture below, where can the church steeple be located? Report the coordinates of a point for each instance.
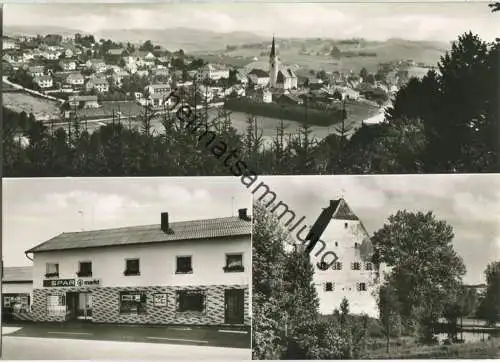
(273, 50)
(273, 65)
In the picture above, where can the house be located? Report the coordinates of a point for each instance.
(75, 79)
(144, 59)
(51, 54)
(83, 101)
(118, 52)
(28, 55)
(118, 77)
(17, 292)
(191, 272)
(289, 99)
(353, 275)
(160, 73)
(213, 72)
(205, 93)
(286, 79)
(98, 65)
(258, 77)
(99, 84)
(158, 88)
(44, 81)
(36, 71)
(266, 95)
(10, 43)
(142, 73)
(67, 65)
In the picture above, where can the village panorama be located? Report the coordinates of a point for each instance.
(98, 81)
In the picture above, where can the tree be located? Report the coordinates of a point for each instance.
(268, 285)
(388, 305)
(363, 73)
(147, 46)
(489, 308)
(425, 270)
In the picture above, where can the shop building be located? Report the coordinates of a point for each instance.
(17, 292)
(191, 272)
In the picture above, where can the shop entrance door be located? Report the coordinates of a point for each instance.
(85, 306)
(235, 306)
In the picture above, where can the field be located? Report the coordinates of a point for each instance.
(391, 50)
(42, 109)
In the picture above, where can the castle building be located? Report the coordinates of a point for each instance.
(283, 79)
(353, 275)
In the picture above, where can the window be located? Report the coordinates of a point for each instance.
(369, 266)
(322, 265)
(184, 265)
(336, 244)
(329, 286)
(132, 303)
(355, 245)
(131, 267)
(85, 269)
(345, 225)
(337, 266)
(234, 263)
(56, 305)
(190, 301)
(356, 266)
(52, 270)
(361, 287)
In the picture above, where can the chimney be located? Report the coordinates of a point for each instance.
(164, 222)
(242, 214)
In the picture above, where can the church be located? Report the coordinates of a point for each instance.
(353, 275)
(283, 79)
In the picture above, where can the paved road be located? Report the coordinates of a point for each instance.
(186, 336)
(32, 348)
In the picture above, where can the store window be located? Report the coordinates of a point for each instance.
(16, 302)
(56, 305)
(85, 269)
(132, 303)
(131, 267)
(52, 270)
(191, 301)
(184, 265)
(234, 263)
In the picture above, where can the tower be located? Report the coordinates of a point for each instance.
(353, 275)
(273, 65)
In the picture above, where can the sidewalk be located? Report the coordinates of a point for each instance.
(217, 336)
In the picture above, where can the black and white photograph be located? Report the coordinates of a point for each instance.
(243, 88)
(376, 267)
(126, 268)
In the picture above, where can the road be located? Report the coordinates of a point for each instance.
(52, 341)
(32, 348)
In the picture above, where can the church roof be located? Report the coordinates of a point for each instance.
(273, 50)
(259, 73)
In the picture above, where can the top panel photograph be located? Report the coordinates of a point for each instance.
(243, 89)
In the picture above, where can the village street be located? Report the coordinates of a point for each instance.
(48, 342)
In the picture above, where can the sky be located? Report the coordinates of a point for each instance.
(469, 203)
(424, 20)
(35, 210)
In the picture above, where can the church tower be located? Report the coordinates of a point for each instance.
(273, 66)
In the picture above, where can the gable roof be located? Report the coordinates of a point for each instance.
(259, 73)
(148, 234)
(17, 274)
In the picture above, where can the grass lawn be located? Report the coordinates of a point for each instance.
(40, 107)
(477, 350)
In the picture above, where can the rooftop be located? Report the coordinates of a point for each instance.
(17, 274)
(148, 234)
